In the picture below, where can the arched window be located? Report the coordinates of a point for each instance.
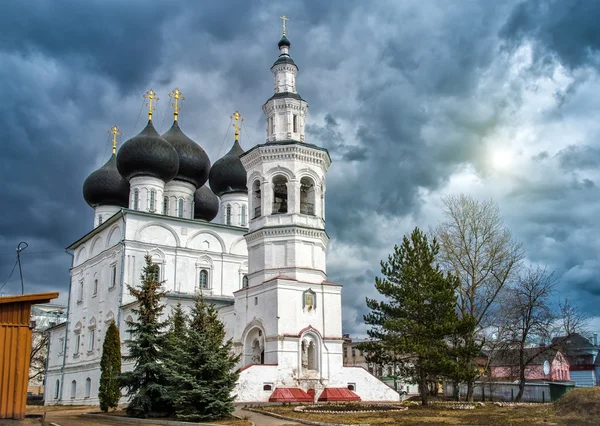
(166, 205)
(154, 273)
(245, 282)
(295, 120)
(56, 389)
(129, 332)
(73, 389)
(99, 220)
(228, 215)
(243, 214)
(280, 195)
(88, 387)
(180, 207)
(136, 199)
(152, 200)
(307, 196)
(203, 281)
(95, 287)
(256, 199)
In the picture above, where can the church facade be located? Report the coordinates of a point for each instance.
(263, 262)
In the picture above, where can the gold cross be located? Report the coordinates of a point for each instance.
(151, 96)
(114, 132)
(283, 18)
(237, 117)
(177, 95)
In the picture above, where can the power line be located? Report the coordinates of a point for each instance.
(224, 139)
(35, 252)
(11, 272)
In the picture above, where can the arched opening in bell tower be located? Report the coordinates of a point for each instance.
(280, 195)
(256, 199)
(307, 196)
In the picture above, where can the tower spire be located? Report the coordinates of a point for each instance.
(237, 117)
(114, 131)
(177, 95)
(151, 96)
(283, 19)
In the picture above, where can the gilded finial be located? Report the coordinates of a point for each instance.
(177, 95)
(114, 131)
(283, 18)
(151, 96)
(237, 117)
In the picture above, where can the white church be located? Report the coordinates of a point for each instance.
(262, 262)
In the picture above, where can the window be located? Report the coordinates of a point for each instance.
(73, 389)
(256, 199)
(353, 351)
(272, 125)
(203, 282)
(243, 218)
(61, 346)
(95, 287)
(152, 200)
(88, 387)
(56, 389)
(295, 122)
(280, 195)
(351, 387)
(166, 205)
(77, 340)
(113, 276)
(99, 220)
(267, 387)
(154, 273)
(255, 301)
(80, 292)
(228, 215)
(245, 281)
(180, 208)
(91, 339)
(136, 199)
(307, 196)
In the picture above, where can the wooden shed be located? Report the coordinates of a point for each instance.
(15, 346)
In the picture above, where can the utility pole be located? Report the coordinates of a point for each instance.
(22, 246)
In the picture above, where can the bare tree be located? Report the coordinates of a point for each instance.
(479, 249)
(37, 356)
(527, 316)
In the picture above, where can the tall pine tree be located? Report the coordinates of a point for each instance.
(175, 346)
(417, 316)
(110, 367)
(203, 367)
(147, 383)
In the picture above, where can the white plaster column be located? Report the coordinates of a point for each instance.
(141, 187)
(238, 202)
(293, 188)
(102, 213)
(176, 190)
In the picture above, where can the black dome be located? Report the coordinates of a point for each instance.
(194, 163)
(148, 154)
(228, 174)
(106, 187)
(206, 204)
(283, 42)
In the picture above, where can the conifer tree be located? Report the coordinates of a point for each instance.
(417, 316)
(175, 346)
(110, 367)
(147, 383)
(204, 369)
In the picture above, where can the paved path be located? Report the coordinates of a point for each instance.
(262, 420)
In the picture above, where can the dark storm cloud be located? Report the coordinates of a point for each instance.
(568, 29)
(579, 157)
(395, 94)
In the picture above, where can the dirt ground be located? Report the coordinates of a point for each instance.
(71, 416)
(541, 414)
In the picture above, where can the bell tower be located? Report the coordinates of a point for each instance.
(288, 314)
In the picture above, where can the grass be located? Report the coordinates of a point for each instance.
(542, 414)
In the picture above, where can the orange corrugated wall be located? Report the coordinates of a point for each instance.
(15, 346)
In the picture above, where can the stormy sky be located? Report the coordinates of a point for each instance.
(414, 100)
